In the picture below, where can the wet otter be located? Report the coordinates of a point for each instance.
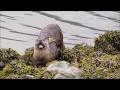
(48, 45)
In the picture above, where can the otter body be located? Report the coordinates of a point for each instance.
(48, 45)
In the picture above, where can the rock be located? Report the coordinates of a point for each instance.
(63, 70)
(2, 65)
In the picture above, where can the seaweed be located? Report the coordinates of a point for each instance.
(7, 55)
(19, 70)
(27, 57)
(109, 42)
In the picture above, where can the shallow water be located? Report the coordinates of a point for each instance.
(19, 29)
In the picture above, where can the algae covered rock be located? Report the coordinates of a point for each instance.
(62, 70)
(109, 42)
(27, 57)
(19, 70)
(7, 55)
(103, 67)
(76, 53)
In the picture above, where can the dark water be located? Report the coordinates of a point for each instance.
(19, 29)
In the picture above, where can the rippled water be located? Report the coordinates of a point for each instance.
(19, 29)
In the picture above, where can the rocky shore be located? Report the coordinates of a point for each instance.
(101, 61)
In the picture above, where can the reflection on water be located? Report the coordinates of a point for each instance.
(19, 29)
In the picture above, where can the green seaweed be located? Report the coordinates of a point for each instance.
(76, 53)
(109, 42)
(27, 57)
(101, 67)
(7, 55)
(19, 70)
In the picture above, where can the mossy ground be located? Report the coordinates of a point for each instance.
(101, 61)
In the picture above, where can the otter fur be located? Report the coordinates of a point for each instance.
(48, 44)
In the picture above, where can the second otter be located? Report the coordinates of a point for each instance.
(48, 45)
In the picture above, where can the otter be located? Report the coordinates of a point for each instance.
(48, 44)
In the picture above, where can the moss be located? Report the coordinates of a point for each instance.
(7, 55)
(109, 42)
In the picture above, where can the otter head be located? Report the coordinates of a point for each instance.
(39, 49)
(40, 52)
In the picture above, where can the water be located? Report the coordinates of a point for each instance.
(19, 29)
